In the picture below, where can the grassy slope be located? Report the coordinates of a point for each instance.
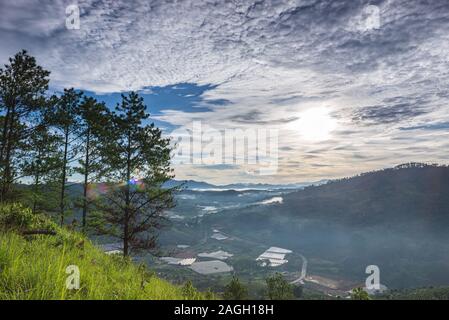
(34, 267)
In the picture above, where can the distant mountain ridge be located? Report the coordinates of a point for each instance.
(408, 193)
(200, 185)
(194, 185)
(396, 218)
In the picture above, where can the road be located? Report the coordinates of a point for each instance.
(303, 271)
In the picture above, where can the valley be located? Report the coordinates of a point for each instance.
(331, 246)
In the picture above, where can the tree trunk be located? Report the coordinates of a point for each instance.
(2, 149)
(36, 188)
(63, 178)
(4, 133)
(127, 199)
(36, 179)
(7, 157)
(86, 180)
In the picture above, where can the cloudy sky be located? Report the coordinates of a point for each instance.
(349, 86)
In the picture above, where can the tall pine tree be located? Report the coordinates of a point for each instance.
(41, 161)
(138, 158)
(95, 125)
(22, 88)
(65, 118)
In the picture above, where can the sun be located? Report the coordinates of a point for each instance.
(315, 124)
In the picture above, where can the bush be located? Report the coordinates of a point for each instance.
(235, 290)
(279, 288)
(359, 294)
(16, 217)
(189, 292)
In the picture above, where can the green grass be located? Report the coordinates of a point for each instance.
(34, 267)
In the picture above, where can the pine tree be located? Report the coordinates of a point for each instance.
(65, 118)
(22, 87)
(189, 292)
(138, 160)
(235, 290)
(42, 159)
(95, 122)
(278, 288)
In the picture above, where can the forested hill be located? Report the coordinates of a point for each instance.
(397, 219)
(407, 194)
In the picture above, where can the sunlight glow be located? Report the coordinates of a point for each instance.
(315, 124)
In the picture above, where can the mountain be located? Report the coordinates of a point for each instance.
(200, 185)
(397, 219)
(205, 186)
(190, 184)
(414, 196)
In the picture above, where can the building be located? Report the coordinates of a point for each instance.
(220, 255)
(273, 257)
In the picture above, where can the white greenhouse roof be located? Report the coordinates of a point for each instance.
(220, 255)
(279, 250)
(271, 255)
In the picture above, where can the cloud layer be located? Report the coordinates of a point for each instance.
(379, 67)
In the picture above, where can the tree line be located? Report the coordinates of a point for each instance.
(121, 158)
(277, 288)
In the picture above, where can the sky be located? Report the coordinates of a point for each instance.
(344, 86)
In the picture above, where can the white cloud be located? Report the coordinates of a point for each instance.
(272, 60)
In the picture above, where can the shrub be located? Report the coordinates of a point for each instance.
(359, 294)
(189, 292)
(235, 290)
(279, 288)
(16, 217)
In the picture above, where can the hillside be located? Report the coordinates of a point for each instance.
(34, 266)
(412, 198)
(415, 195)
(396, 218)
